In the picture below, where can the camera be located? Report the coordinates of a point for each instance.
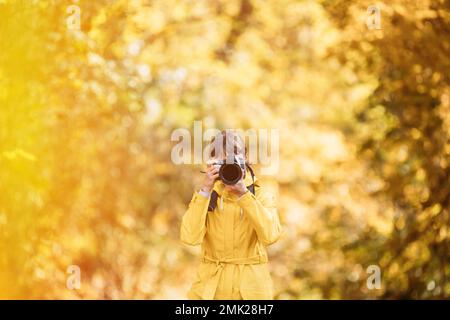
(231, 171)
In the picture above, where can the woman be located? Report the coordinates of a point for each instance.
(233, 224)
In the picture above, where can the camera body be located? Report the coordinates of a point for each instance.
(231, 170)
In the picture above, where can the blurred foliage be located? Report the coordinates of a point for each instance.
(86, 117)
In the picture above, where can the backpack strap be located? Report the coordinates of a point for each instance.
(213, 200)
(251, 188)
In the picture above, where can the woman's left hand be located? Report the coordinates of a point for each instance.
(238, 189)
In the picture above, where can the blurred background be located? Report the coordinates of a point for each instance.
(90, 92)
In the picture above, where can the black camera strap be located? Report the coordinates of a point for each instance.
(214, 195)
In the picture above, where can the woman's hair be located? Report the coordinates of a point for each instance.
(227, 141)
(235, 144)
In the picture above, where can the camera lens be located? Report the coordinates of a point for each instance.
(230, 173)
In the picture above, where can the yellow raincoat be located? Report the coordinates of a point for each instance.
(233, 238)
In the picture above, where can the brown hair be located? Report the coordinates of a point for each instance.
(238, 144)
(219, 142)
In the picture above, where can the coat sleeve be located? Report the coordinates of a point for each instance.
(193, 223)
(262, 212)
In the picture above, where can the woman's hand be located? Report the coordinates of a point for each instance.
(212, 173)
(238, 189)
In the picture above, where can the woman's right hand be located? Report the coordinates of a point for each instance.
(212, 173)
